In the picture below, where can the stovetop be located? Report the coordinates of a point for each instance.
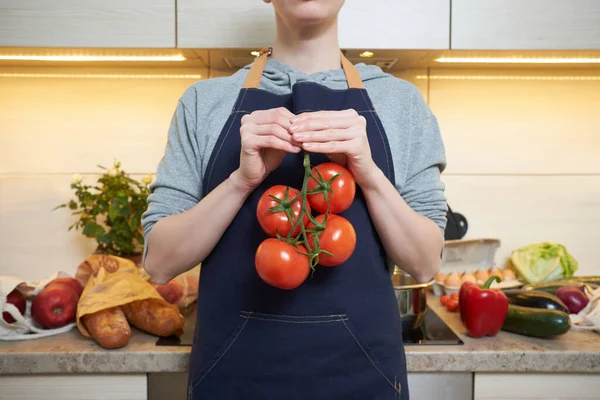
(433, 331)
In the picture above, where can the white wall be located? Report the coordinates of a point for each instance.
(523, 150)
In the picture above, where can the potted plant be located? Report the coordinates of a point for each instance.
(110, 211)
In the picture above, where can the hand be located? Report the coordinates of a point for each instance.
(342, 135)
(265, 140)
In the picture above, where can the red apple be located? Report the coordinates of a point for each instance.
(71, 282)
(15, 298)
(54, 306)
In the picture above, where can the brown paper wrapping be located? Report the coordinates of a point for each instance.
(105, 289)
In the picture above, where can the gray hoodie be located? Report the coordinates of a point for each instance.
(412, 130)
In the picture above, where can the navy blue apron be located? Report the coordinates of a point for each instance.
(338, 335)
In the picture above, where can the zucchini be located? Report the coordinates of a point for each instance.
(536, 299)
(536, 322)
(590, 280)
(552, 286)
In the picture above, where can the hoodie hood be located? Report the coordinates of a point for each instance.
(279, 77)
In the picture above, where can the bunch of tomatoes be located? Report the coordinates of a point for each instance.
(298, 239)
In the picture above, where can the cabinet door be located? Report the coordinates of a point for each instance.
(536, 386)
(117, 386)
(410, 24)
(384, 24)
(225, 24)
(525, 25)
(87, 23)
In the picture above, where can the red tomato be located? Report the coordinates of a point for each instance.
(444, 299)
(454, 296)
(343, 188)
(452, 305)
(272, 222)
(338, 238)
(280, 265)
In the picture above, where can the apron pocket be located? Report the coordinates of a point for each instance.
(282, 356)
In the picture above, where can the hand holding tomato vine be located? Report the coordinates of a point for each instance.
(340, 134)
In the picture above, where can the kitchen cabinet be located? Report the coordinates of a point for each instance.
(408, 24)
(555, 386)
(88, 23)
(117, 386)
(525, 25)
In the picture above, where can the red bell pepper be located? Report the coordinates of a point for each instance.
(482, 310)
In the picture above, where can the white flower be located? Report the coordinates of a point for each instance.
(76, 179)
(117, 163)
(147, 179)
(113, 172)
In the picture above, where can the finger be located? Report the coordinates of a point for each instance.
(343, 147)
(319, 124)
(327, 135)
(325, 114)
(254, 142)
(281, 116)
(271, 129)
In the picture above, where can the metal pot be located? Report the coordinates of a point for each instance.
(412, 299)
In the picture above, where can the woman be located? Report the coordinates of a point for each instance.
(338, 335)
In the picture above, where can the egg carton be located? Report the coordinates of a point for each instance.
(451, 283)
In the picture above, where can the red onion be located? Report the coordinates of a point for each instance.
(573, 297)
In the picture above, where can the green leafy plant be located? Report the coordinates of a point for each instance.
(110, 211)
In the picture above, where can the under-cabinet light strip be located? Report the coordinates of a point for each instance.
(102, 76)
(517, 60)
(175, 57)
(506, 78)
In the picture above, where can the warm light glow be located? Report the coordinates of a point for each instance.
(103, 76)
(506, 78)
(517, 60)
(367, 54)
(39, 57)
(255, 53)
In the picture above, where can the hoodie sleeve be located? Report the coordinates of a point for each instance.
(178, 184)
(423, 189)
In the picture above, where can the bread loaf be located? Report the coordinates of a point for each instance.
(154, 317)
(108, 327)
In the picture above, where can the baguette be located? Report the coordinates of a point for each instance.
(108, 327)
(154, 317)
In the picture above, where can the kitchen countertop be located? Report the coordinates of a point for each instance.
(72, 353)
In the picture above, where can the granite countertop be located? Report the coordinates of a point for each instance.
(72, 353)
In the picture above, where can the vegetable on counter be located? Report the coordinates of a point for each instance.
(536, 322)
(552, 286)
(450, 302)
(573, 297)
(544, 261)
(535, 299)
(482, 310)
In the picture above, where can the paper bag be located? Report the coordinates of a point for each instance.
(106, 289)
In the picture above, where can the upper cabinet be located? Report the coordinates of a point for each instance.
(525, 25)
(374, 24)
(88, 23)
(384, 24)
(224, 24)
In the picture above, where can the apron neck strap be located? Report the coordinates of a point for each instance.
(258, 66)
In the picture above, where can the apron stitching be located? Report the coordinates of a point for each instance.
(367, 354)
(387, 161)
(294, 322)
(223, 141)
(221, 356)
(292, 316)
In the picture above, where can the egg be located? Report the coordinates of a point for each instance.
(509, 275)
(468, 277)
(440, 277)
(452, 280)
(481, 275)
(497, 272)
